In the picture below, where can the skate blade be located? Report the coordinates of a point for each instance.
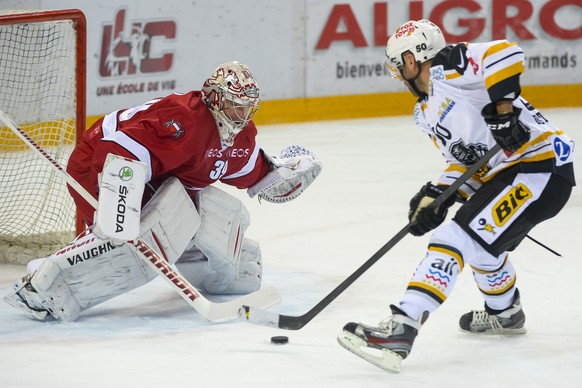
(16, 302)
(521, 330)
(388, 360)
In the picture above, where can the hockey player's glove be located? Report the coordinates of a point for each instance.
(506, 128)
(423, 220)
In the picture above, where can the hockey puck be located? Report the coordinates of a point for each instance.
(279, 340)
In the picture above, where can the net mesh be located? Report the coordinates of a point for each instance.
(37, 90)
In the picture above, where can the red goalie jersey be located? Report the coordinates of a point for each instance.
(174, 136)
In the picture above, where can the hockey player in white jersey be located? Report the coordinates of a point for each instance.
(469, 100)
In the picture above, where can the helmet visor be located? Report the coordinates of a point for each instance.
(393, 70)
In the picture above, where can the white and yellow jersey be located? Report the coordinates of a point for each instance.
(465, 78)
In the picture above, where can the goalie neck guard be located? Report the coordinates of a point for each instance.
(232, 95)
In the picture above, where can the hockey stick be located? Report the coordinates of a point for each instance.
(543, 245)
(289, 322)
(527, 235)
(214, 312)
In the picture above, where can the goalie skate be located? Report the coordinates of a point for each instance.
(25, 299)
(384, 359)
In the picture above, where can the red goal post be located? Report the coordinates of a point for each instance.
(43, 89)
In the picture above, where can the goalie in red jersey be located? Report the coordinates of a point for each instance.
(185, 143)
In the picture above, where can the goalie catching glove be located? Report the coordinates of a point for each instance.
(293, 171)
(423, 220)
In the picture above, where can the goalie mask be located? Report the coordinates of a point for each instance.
(232, 95)
(422, 38)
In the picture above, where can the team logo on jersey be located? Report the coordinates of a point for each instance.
(468, 154)
(510, 203)
(175, 128)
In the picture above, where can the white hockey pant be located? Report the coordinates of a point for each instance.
(449, 249)
(91, 271)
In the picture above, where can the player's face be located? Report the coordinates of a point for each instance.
(239, 112)
(412, 75)
(409, 70)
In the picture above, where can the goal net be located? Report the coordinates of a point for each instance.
(42, 88)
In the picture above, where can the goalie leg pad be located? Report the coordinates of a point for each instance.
(224, 222)
(86, 273)
(194, 266)
(250, 270)
(91, 271)
(172, 217)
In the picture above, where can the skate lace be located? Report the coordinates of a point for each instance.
(387, 325)
(483, 319)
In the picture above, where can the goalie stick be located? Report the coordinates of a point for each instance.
(214, 312)
(290, 322)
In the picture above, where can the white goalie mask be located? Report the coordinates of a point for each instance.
(232, 95)
(422, 38)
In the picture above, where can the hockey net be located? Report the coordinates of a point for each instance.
(42, 88)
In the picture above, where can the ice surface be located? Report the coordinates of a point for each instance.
(151, 337)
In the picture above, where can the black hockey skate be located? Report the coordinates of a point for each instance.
(393, 338)
(489, 321)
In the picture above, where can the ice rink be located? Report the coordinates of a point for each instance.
(372, 167)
